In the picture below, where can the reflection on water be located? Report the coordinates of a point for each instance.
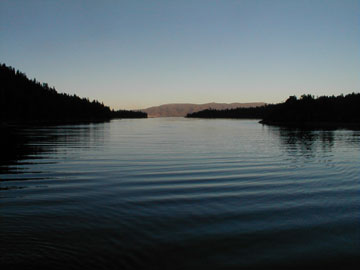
(303, 146)
(306, 141)
(23, 144)
(177, 193)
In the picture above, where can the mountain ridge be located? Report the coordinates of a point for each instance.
(182, 109)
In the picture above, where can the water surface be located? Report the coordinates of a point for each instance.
(175, 193)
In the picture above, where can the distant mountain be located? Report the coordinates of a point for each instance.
(182, 109)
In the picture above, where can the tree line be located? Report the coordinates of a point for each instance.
(304, 110)
(25, 100)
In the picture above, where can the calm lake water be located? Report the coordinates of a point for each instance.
(176, 193)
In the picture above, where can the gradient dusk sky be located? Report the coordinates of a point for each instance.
(135, 54)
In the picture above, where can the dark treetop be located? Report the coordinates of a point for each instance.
(25, 100)
(306, 111)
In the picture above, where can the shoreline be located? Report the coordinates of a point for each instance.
(313, 125)
(39, 122)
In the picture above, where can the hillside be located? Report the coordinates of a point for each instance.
(25, 100)
(306, 111)
(182, 109)
(323, 111)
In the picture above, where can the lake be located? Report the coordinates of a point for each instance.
(176, 193)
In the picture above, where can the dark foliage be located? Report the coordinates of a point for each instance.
(305, 110)
(254, 112)
(340, 109)
(25, 100)
(128, 114)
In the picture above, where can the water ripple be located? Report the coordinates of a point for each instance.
(181, 194)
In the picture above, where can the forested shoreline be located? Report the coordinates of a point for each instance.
(29, 101)
(306, 111)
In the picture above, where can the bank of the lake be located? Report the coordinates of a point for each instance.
(313, 125)
(25, 101)
(306, 112)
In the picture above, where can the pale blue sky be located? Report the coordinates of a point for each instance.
(136, 54)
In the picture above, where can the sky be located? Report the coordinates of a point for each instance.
(136, 54)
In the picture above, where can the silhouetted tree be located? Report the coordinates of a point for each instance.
(27, 100)
(307, 110)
